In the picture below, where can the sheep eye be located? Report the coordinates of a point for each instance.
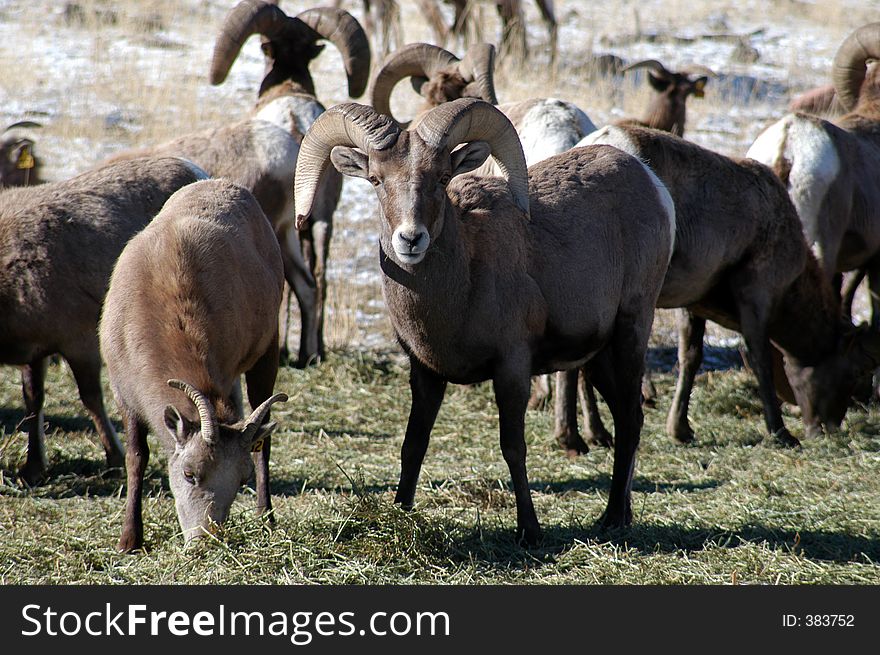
(373, 180)
(189, 476)
(444, 179)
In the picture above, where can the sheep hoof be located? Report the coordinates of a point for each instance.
(782, 438)
(32, 473)
(528, 537)
(129, 543)
(683, 434)
(615, 520)
(572, 443)
(601, 438)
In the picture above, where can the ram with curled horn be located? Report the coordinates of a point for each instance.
(192, 305)
(541, 269)
(287, 98)
(832, 168)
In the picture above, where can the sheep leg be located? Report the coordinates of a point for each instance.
(540, 392)
(617, 371)
(33, 379)
(260, 384)
(566, 429)
(427, 395)
(137, 454)
(284, 325)
(753, 321)
(597, 433)
(512, 396)
(691, 329)
(87, 373)
(873, 272)
(303, 285)
(316, 248)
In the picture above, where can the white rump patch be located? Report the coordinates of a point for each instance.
(618, 138)
(550, 127)
(275, 149)
(291, 113)
(815, 165)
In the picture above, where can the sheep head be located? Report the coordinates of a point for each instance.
(410, 168)
(211, 460)
(855, 71)
(824, 389)
(437, 75)
(18, 164)
(290, 43)
(667, 110)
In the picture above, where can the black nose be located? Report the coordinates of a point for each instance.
(412, 240)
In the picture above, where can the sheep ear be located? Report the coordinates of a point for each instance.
(350, 161)
(175, 424)
(470, 156)
(263, 432)
(700, 86)
(268, 49)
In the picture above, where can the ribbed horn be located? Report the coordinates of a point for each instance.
(414, 59)
(848, 69)
(204, 407)
(255, 420)
(343, 31)
(348, 124)
(653, 64)
(469, 119)
(478, 64)
(247, 18)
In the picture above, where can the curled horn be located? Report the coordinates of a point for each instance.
(848, 69)
(652, 64)
(255, 420)
(247, 18)
(698, 69)
(413, 60)
(478, 64)
(469, 119)
(343, 31)
(203, 405)
(348, 124)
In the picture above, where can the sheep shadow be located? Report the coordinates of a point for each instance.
(12, 421)
(496, 547)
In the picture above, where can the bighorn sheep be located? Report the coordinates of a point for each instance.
(19, 166)
(559, 267)
(58, 243)
(832, 170)
(546, 126)
(741, 260)
(667, 110)
(289, 43)
(192, 304)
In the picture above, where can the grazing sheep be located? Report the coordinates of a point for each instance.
(19, 166)
(58, 244)
(287, 97)
(192, 304)
(741, 260)
(485, 280)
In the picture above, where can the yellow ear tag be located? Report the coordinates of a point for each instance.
(257, 446)
(25, 159)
